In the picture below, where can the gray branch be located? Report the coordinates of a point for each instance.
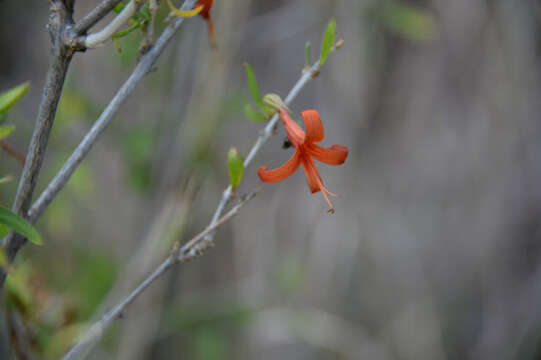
(94, 16)
(144, 66)
(197, 245)
(90, 337)
(96, 39)
(308, 74)
(59, 21)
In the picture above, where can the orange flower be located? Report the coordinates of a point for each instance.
(306, 152)
(205, 14)
(207, 5)
(201, 8)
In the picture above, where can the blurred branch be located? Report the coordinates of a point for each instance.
(153, 8)
(18, 335)
(84, 345)
(307, 75)
(319, 328)
(60, 19)
(94, 16)
(93, 40)
(144, 66)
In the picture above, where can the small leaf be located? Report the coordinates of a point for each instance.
(19, 225)
(235, 165)
(5, 131)
(307, 49)
(18, 293)
(253, 115)
(12, 96)
(328, 41)
(252, 83)
(4, 230)
(144, 13)
(117, 9)
(123, 33)
(5, 179)
(3, 258)
(410, 23)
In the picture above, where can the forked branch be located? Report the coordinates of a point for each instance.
(94, 333)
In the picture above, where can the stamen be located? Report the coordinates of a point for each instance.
(322, 188)
(331, 208)
(324, 191)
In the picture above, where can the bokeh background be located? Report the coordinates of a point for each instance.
(434, 249)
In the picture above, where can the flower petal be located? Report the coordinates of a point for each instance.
(281, 172)
(313, 126)
(185, 13)
(207, 4)
(312, 175)
(333, 155)
(293, 131)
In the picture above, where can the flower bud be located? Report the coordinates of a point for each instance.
(275, 102)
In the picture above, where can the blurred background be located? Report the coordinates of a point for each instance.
(434, 249)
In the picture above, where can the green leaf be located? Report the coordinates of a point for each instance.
(253, 115)
(12, 96)
(235, 165)
(328, 41)
(4, 230)
(18, 293)
(117, 9)
(409, 22)
(5, 131)
(19, 225)
(5, 179)
(144, 13)
(252, 83)
(307, 49)
(123, 33)
(3, 258)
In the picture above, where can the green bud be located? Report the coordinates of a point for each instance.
(274, 102)
(235, 165)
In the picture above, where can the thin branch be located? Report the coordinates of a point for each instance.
(59, 20)
(197, 245)
(96, 39)
(20, 343)
(94, 16)
(307, 75)
(144, 66)
(53, 88)
(90, 337)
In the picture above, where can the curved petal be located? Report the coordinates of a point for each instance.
(333, 155)
(185, 13)
(312, 175)
(313, 126)
(281, 172)
(293, 131)
(207, 4)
